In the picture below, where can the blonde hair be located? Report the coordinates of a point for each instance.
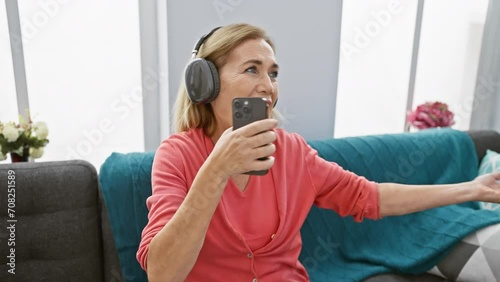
(216, 48)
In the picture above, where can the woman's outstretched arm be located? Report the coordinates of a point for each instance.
(399, 199)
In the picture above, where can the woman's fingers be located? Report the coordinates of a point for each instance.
(257, 127)
(261, 164)
(263, 151)
(261, 139)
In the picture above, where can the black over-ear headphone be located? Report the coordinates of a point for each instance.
(201, 76)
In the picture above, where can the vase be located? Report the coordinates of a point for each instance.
(16, 158)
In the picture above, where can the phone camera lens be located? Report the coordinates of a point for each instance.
(238, 115)
(237, 104)
(246, 110)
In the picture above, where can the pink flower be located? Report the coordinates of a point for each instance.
(430, 114)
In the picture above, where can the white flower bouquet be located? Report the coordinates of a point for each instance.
(23, 140)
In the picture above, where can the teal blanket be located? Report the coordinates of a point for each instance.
(126, 184)
(335, 248)
(339, 249)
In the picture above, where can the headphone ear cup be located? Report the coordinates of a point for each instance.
(202, 81)
(215, 80)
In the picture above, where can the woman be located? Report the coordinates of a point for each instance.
(210, 222)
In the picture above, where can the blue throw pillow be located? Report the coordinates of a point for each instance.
(489, 164)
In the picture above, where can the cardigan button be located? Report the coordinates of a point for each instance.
(249, 255)
(255, 280)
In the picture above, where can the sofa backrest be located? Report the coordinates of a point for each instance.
(485, 139)
(57, 234)
(427, 157)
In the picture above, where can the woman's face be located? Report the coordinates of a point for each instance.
(250, 71)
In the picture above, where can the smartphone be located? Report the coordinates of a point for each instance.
(246, 111)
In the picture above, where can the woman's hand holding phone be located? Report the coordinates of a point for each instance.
(248, 146)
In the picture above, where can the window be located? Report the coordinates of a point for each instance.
(375, 56)
(84, 76)
(376, 48)
(450, 46)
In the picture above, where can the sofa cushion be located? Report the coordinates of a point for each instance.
(475, 258)
(57, 233)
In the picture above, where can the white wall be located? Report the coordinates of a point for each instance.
(306, 34)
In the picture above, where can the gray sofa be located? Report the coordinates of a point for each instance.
(62, 231)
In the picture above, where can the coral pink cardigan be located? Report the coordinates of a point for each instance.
(254, 235)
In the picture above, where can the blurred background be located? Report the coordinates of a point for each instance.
(103, 75)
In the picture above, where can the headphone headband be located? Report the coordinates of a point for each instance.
(201, 40)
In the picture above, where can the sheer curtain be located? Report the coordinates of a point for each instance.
(486, 107)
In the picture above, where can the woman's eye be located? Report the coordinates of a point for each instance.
(251, 70)
(273, 74)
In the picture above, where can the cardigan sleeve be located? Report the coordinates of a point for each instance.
(340, 190)
(168, 192)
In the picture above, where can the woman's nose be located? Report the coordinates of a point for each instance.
(266, 85)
